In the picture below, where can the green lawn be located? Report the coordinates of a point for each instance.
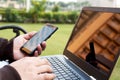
(57, 42)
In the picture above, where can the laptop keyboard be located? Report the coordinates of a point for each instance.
(62, 71)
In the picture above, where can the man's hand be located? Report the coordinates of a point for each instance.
(33, 68)
(20, 40)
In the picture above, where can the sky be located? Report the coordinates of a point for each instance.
(118, 3)
(63, 0)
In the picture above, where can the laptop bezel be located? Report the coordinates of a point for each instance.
(90, 70)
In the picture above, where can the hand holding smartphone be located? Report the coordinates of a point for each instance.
(31, 45)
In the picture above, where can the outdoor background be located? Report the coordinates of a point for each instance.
(31, 15)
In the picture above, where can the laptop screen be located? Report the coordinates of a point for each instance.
(95, 41)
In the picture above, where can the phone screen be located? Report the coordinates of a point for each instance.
(30, 46)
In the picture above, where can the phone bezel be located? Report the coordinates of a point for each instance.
(31, 53)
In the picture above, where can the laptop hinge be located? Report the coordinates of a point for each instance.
(65, 57)
(92, 78)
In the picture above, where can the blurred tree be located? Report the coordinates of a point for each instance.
(20, 1)
(62, 4)
(37, 7)
(55, 8)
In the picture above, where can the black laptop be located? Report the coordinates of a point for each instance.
(93, 48)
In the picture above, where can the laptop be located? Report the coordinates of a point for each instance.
(93, 47)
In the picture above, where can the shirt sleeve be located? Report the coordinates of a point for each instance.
(6, 50)
(9, 73)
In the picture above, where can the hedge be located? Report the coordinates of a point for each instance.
(10, 15)
(58, 17)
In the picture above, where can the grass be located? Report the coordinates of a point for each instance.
(57, 42)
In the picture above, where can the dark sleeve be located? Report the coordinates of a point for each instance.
(9, 73)
(6, 50)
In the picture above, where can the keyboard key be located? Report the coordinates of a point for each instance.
(62, 71)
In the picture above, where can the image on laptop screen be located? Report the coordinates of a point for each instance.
(96, 39)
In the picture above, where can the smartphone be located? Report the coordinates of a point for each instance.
(31, 45)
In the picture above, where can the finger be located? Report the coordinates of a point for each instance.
(29, 35)
(46, 76)
(44, 69)
(36, 53)
(39, 48)
(38, 61)
(43, 62)
(43, 45)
